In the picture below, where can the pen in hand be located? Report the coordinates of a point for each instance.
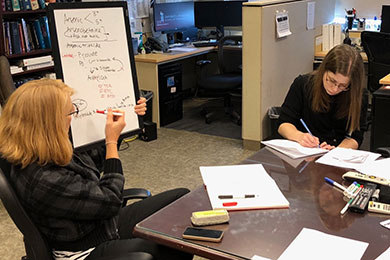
(307, 129)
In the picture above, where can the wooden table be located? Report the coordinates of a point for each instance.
(385, 80)
(313, 204)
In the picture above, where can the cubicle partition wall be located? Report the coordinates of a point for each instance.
(270, 64)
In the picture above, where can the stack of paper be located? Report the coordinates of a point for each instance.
(348, 158)
(293, 149)
(241, 187)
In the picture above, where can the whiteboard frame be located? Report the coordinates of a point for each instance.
(57, 60)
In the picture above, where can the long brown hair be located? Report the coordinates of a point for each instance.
(33, 124)
(347, 61)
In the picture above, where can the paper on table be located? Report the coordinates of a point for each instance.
(183, 49)
(378, 168)
(385, 255)
(348, 158)
(241, 180)
(293, 162)
(324, 247)
(293, 149)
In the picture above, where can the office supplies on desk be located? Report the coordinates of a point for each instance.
(379, 168)
(293, 149)
(348, 158)
(351, 175)
(238, 180)
(326, 247)
(332, 182)
(209, 217)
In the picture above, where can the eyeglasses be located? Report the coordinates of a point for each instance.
(75, 112)
(340, 86)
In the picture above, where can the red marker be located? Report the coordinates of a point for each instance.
(229, 204)
(104, 112)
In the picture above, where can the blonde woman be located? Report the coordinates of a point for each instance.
(77, 209)
(329, 101)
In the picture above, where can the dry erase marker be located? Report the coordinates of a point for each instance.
(104, 112)
(247, 196)
(333, 183)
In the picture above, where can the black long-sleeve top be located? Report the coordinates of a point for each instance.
(325, 126)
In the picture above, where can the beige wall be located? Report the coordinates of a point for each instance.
(364, 8)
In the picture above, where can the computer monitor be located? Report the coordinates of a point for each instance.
(385, 26)
(172, 17)
(218, 14)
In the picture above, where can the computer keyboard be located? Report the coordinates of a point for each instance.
(205, 43)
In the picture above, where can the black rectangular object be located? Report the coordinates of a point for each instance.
(380, 128)
(170, 93)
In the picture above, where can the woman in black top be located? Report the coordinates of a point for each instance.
(329, 101)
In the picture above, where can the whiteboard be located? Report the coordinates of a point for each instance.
(93, 54)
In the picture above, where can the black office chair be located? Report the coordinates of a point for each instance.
(6, 82)
(35, 244)
(227, 83)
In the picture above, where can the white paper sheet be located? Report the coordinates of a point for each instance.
(239, 181)
(293, 149)
(310, 15)
(385, 255)
(312, 244)
(378, 168)
(282, 24)
(348, 158)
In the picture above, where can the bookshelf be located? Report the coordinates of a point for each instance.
(24, 34)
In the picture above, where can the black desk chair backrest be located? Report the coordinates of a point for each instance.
(35, 244)
(377, 47)
(6, 82)
(228, 81)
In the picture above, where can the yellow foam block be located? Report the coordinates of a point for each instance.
(210, 217)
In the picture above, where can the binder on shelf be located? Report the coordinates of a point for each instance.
(325, 37)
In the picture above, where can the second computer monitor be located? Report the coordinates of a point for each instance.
(218, 13)
(171, 17)
(385, 26)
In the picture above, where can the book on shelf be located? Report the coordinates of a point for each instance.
(15, 69)
(40, 65)
(15, 5)
(38, 30)
(35, 60)
(8, 5)
(15, 38)
(42, 4)
(25, 35)
(43, 21)
(27, 5)
(21, 37)
(34, 4)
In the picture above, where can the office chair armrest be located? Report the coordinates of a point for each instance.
(201, 63)
(384, 151)
(134, 193)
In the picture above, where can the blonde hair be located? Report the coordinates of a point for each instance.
(33, 124)
(347, 61)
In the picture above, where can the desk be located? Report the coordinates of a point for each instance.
(313, 204)
(385, 80)
(147, 72)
